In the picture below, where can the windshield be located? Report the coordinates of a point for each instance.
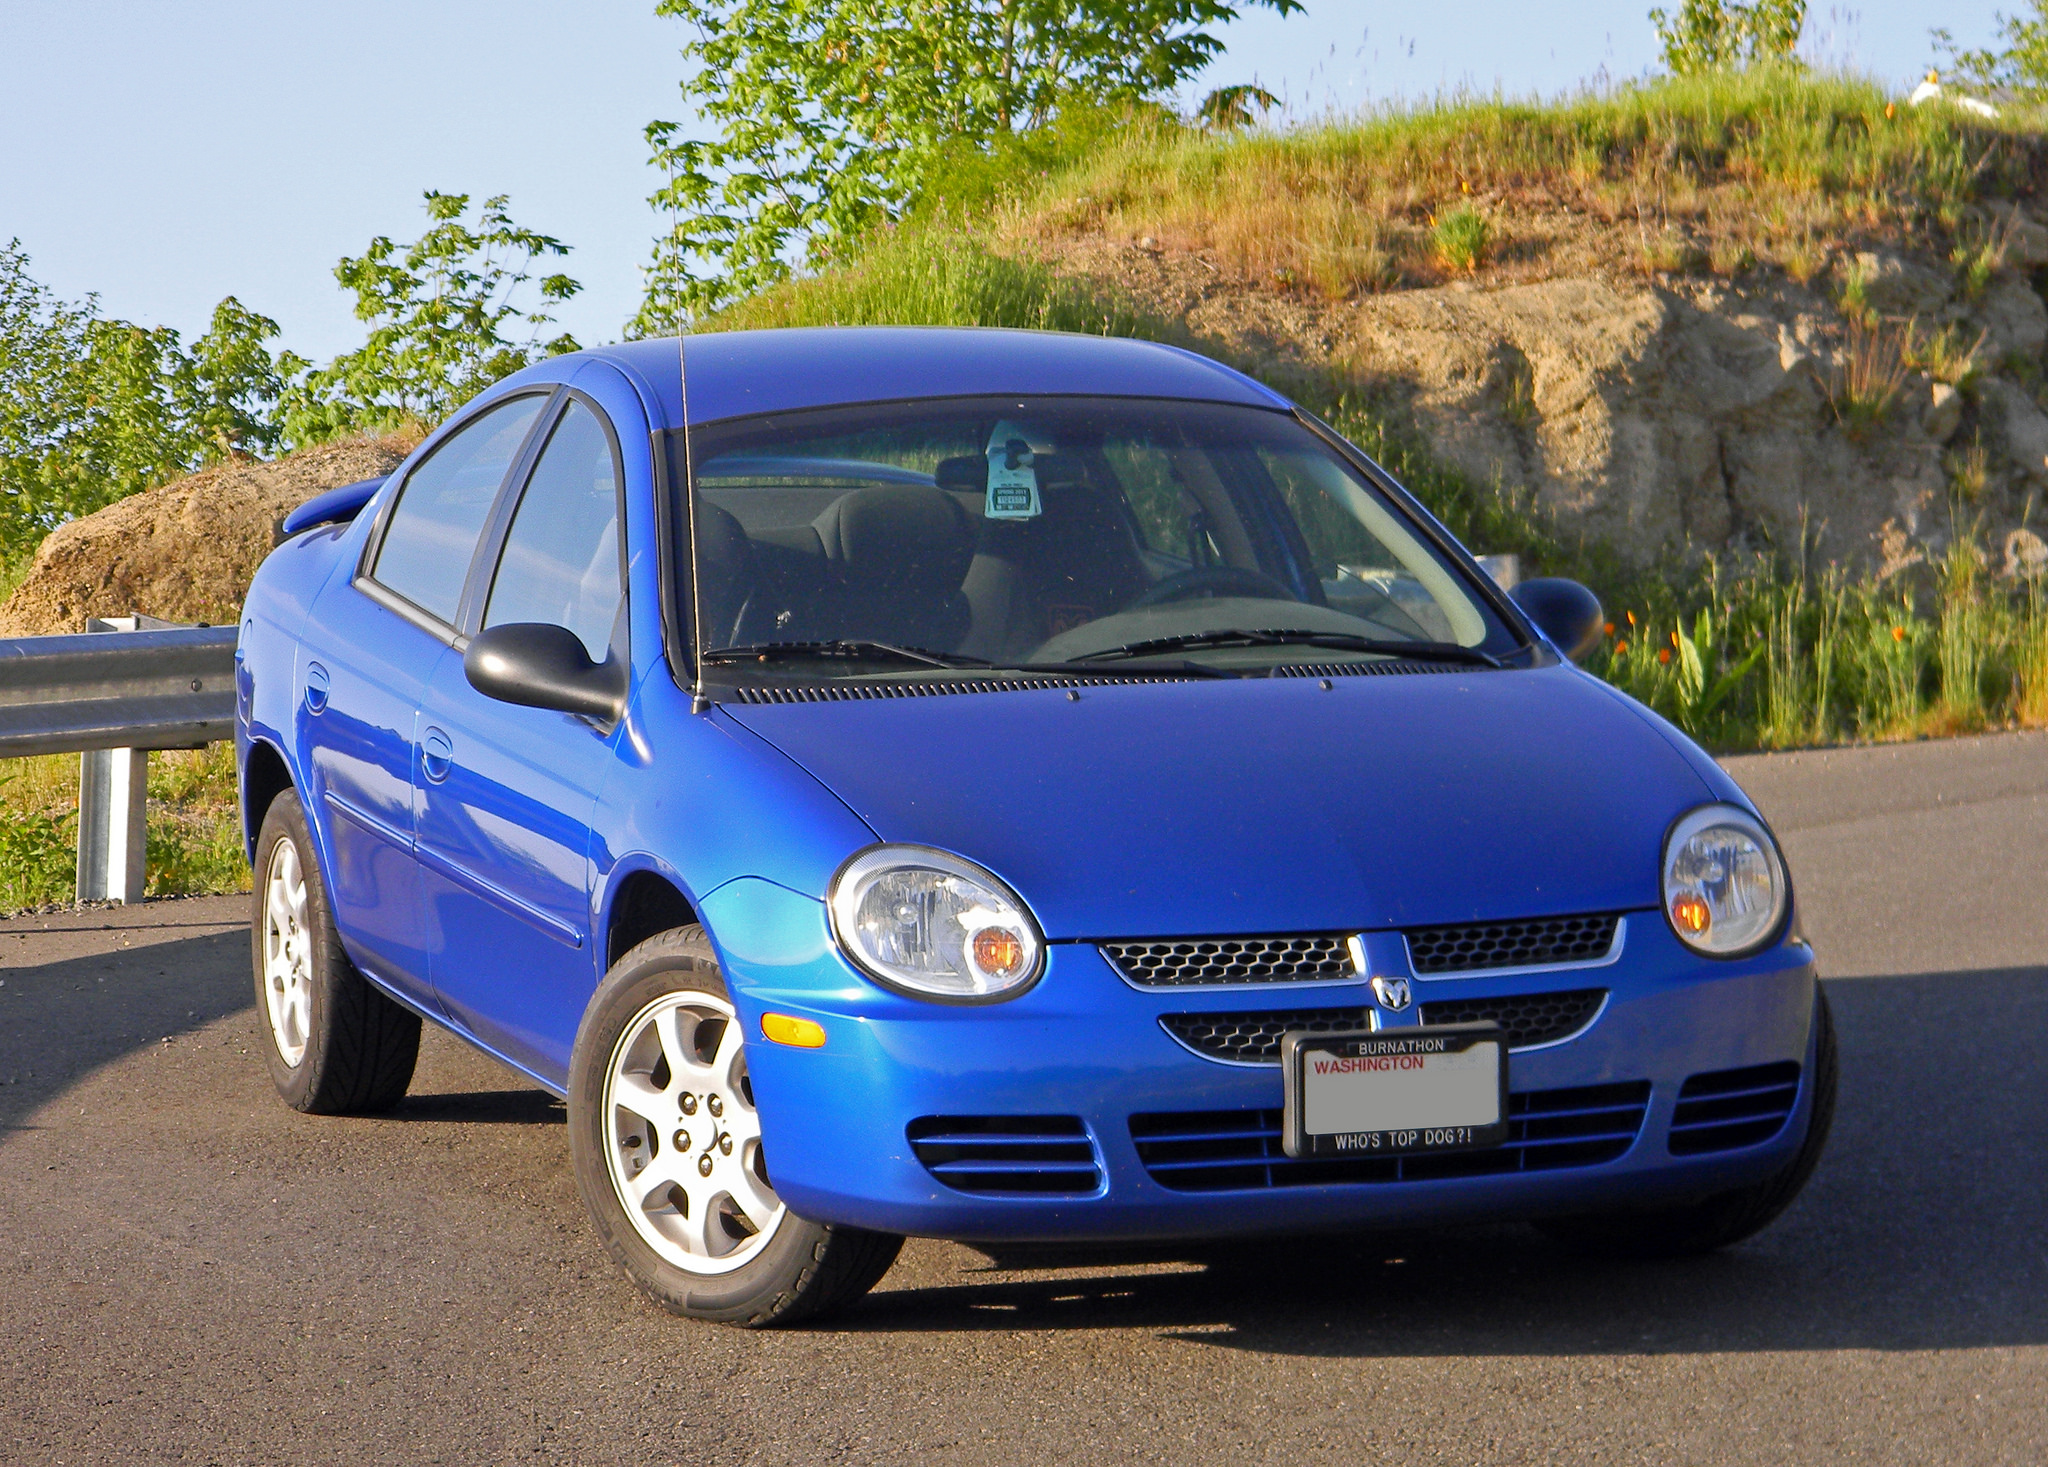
(1057, 532)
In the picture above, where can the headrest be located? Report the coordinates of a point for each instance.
(898, 537)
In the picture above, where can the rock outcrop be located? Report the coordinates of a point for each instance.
(1685, 414)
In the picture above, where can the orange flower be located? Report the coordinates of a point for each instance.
(1621, 649)
(1663, 654)
(1898, 634)
(1674, 639)
(1610, 629)
(1631, 618)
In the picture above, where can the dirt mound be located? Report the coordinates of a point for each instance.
(184, 551)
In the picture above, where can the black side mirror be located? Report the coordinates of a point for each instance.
(544, 666)
(1564, 611)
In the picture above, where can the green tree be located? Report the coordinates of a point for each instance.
(832, 116)
(445, 323)
(1728, 35)
(93, 409)
(2019, 65)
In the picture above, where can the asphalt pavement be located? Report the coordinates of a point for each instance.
(190, 1272)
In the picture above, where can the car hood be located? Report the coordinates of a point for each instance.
(1271, 804)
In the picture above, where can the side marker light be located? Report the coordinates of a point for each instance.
(1691, 914)
(784, 1029)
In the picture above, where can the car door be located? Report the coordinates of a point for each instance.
(368, 651)
(505, 791)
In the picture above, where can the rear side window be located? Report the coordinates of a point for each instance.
(561, 559)
(441, 510)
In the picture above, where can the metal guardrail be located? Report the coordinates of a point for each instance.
(128, 685)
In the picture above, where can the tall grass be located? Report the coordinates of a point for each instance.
(1722, 171)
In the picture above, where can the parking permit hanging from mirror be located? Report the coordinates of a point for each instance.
(1012, 482)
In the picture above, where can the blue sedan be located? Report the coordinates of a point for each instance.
(998, 786)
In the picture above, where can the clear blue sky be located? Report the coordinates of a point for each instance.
(166, 155)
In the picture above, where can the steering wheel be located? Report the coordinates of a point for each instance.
(1215, 580)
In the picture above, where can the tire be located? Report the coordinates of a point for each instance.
(334, 1044)
(1701, 1227)
(681, 1197)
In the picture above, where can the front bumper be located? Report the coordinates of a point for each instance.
(1085, 1044)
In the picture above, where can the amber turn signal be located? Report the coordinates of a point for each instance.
(998, 951)
(785, 1029)
(1691, 914)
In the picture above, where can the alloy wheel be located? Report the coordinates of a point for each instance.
(287, 953)
(683, 1140)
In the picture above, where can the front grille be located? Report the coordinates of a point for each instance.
(1235, 1150)
(1527, 944)
(1730, 1108)
(1034, 1154)
(1529, 1018)
(1170, 964)
(1254, 1038)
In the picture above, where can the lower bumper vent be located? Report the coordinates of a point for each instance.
(1237, 1150)
(1254, 1038)
(1732, 1108)
(1029, 1154)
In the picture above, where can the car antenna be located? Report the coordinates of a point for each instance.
(699, 701)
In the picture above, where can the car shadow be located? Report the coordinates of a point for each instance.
(1920, 1230)
(60, 1021)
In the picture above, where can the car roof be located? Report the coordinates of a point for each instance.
(740, 373)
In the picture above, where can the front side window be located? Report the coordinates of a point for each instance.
(441, 509)
(561, 558)
(1058, 532)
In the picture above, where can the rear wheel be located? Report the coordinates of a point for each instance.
(669, 1156)
(1729, 1217)
(333, 1043)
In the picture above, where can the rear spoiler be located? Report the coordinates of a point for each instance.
(335, 507)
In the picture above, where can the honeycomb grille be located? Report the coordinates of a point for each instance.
(1254, 1038)
(1175, 964)
(1528, 944)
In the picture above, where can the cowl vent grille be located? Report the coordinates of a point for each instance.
(859, 690)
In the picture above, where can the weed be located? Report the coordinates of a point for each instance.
(38, 853)
(1941, 354)
(1854, 299)
(1672, 253)
(1730, 257)
(1863, 386)
(1463, 236)
(1968, 472)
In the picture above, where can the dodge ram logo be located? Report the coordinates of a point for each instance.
(1393, 993)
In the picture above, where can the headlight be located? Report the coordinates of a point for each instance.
(934, 925)
(1724, 885)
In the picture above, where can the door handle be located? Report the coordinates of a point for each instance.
(316, 687)
(437, 755)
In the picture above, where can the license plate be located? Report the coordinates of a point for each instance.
(1442, 1088)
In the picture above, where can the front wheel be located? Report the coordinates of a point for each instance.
(669, 1157)
(1716, 1222)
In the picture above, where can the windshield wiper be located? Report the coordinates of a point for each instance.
(850, 649)
(1333, 641)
